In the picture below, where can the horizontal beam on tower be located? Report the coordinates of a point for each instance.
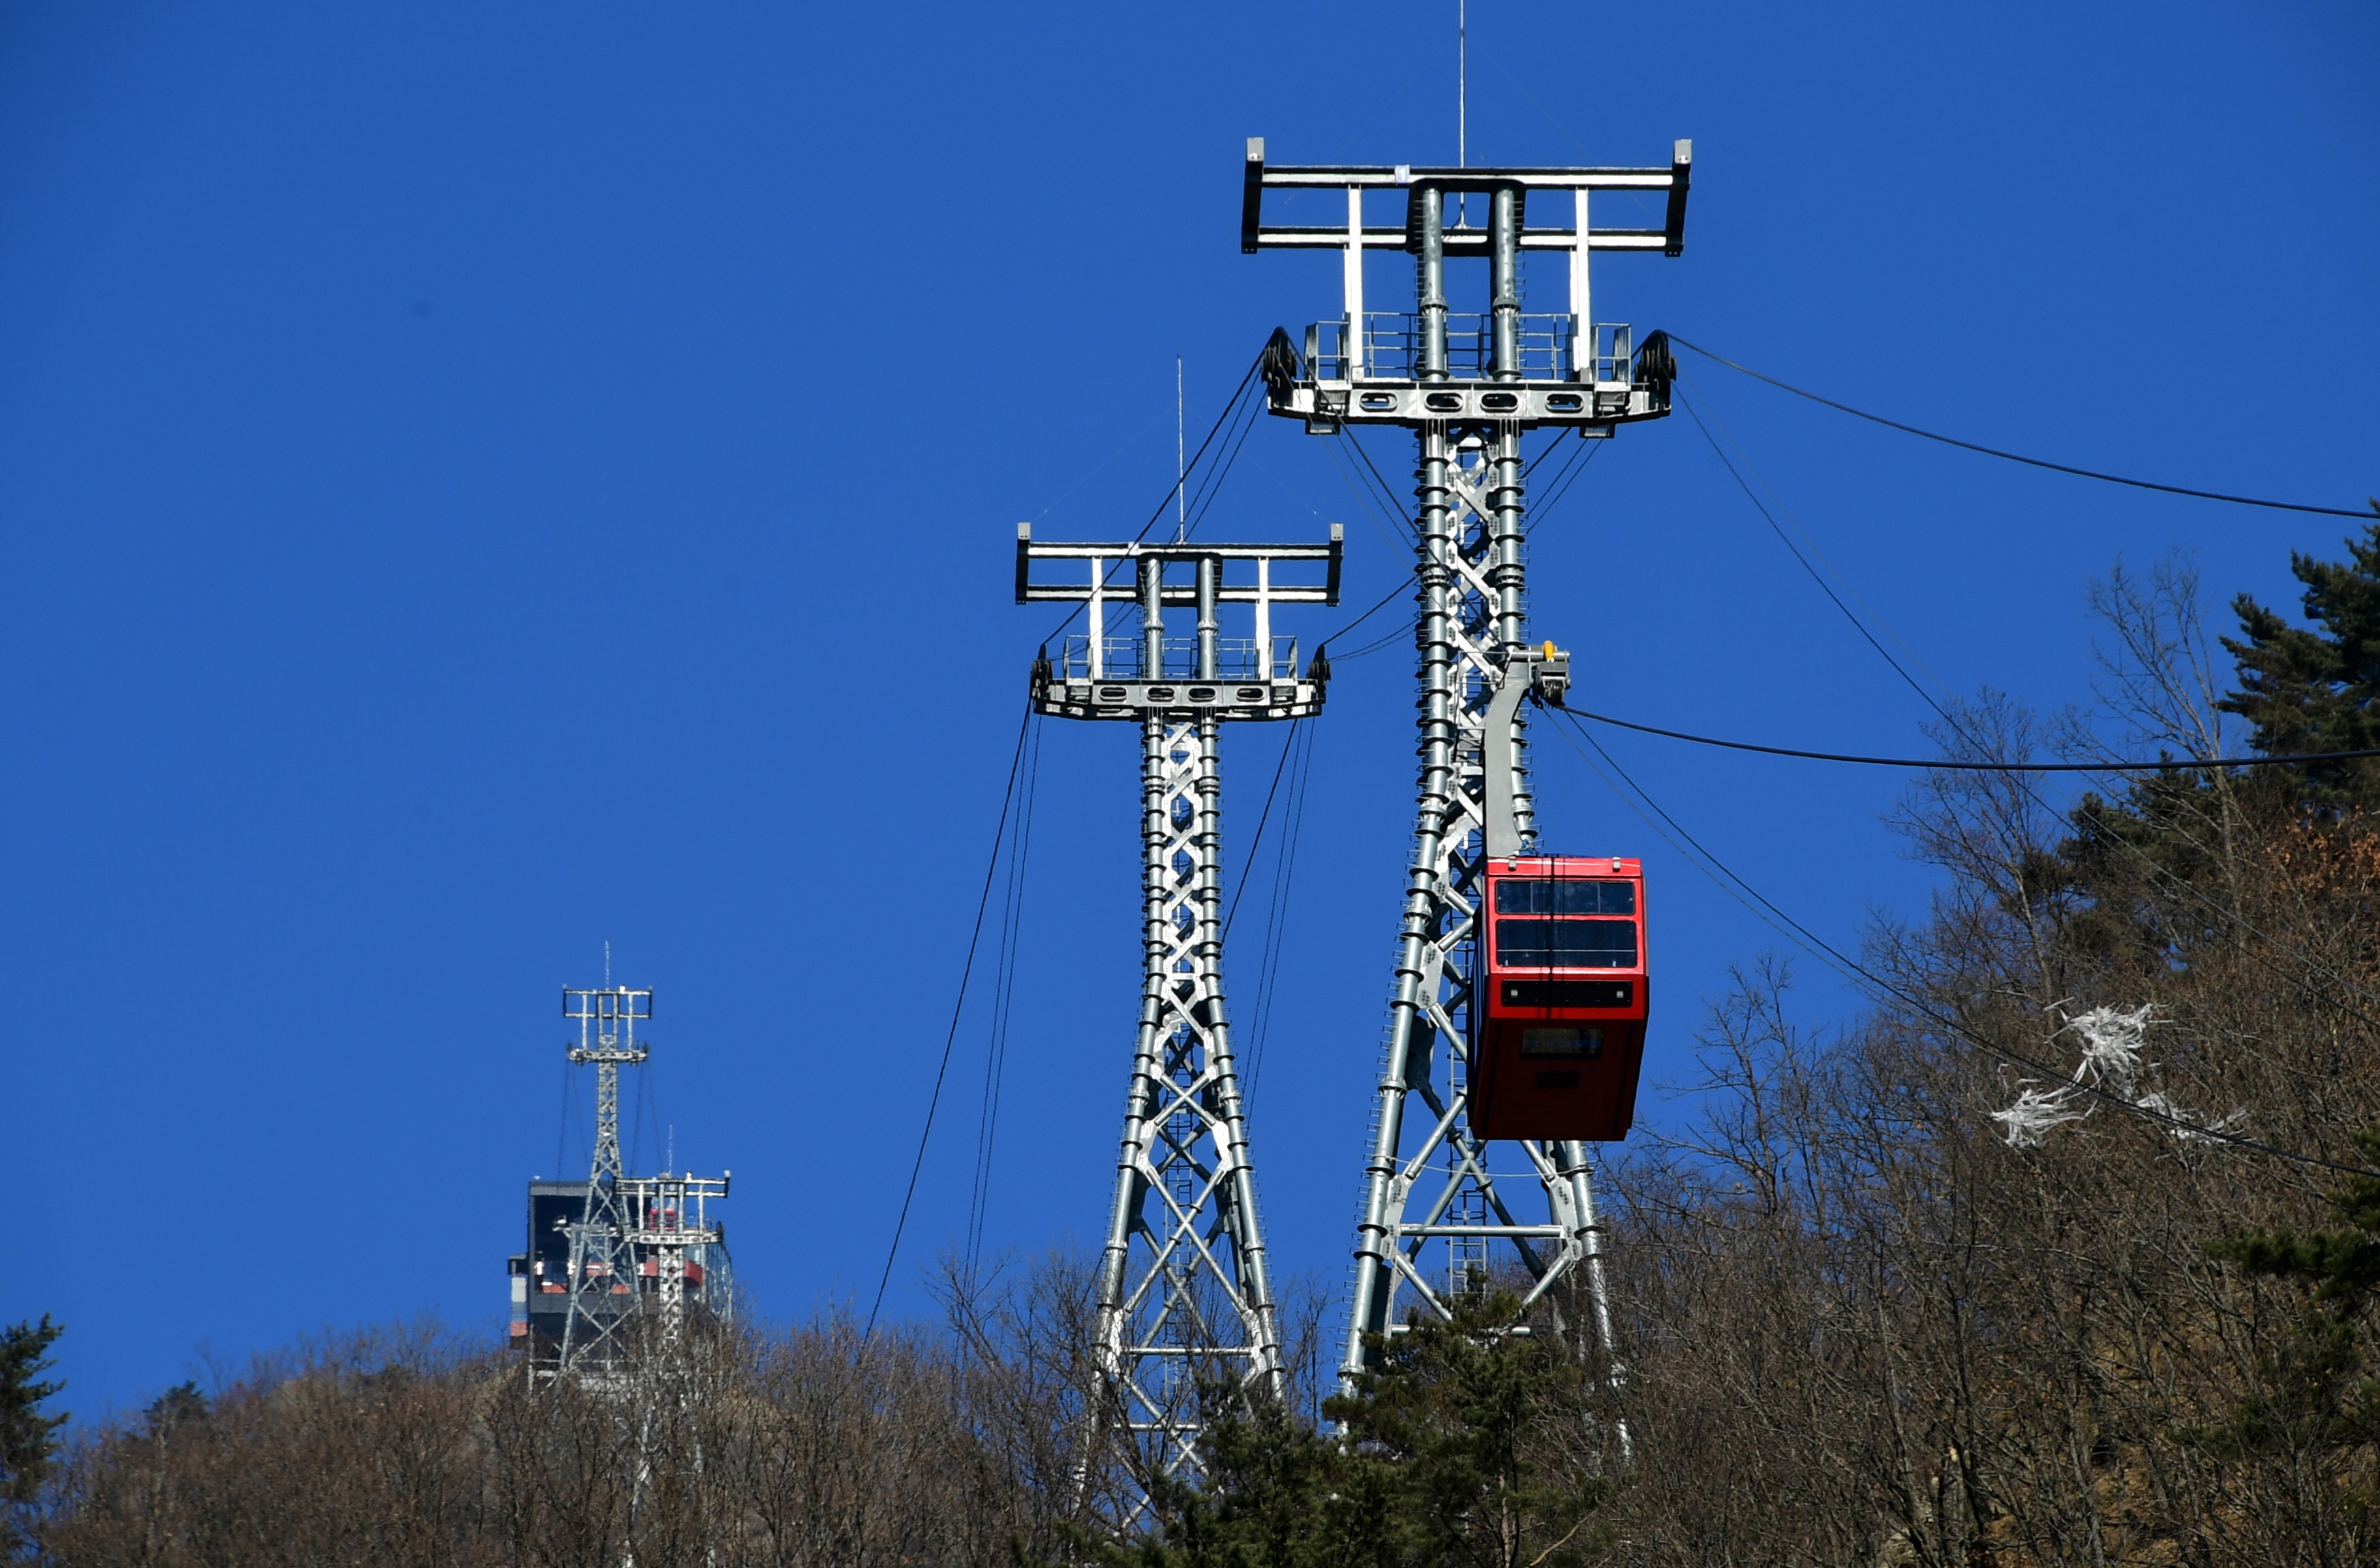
(1175, 553)
(1300, 237)
(1355, 178)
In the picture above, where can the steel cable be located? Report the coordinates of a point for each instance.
(1255, 841)
(1221, 469)
(1369, 501)
(966, 971)
(995, 1067)
(2156, 870)
(2020, 457)
(1180, 480)
(1388, 493)
(1277, 907)
(1940, 763)
(1850, 970)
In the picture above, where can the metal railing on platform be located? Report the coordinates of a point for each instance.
(1550, 349)
(1124, 658)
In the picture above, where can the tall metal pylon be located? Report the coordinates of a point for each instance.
(1186, 1303)
(1468, 386)
(602, 1255)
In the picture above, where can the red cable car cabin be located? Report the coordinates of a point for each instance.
(1558, 1031)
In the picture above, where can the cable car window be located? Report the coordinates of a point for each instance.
(1566, 944)
(1547, 895)
(1573, 1042)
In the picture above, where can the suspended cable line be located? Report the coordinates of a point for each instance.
(1545, 452)
(1386, 599)
(995, 1064)
(1255, 841)
(966, 970)
(2020, 457)
(1216, 472)
(1277, 907)
(1824, 586)
(1388, 493)
(1700, 398)
(1376, 644)
(1382, 515)
(1372, 646)
(1564, 476)
(1221, 419)
(1945, 764)
(2170, 877)
(1852, 969)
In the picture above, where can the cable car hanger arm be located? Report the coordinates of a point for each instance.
(1543, 673)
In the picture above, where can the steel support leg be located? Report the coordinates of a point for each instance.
(1473, 613)
(1184, 1299)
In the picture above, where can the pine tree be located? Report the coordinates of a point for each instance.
(2318, 1402)
(1457, 1446)
(2317, 688)
(1474, 1426)
(28, 1438)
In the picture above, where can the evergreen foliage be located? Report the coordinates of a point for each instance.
(1865, 1325)
(1453, 1450)
(2308, 689)
(2315, 1399)
(28, 1438)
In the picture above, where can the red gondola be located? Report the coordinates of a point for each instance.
(1558, 1031)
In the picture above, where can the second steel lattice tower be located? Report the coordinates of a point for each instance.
(1184, 1294)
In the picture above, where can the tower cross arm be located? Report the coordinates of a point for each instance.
(1256, 234)
(1035, 592)
(1126, 554)
(1303, 237)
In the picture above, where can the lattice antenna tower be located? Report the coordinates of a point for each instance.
(1468, 387)
(1185, 1304)
(603, 1253)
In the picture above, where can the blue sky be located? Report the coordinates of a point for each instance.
(479, 482)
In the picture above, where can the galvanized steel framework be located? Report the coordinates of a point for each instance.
(1467, 387)
(603, 1262)
(667, 1216)
(1185, 1302)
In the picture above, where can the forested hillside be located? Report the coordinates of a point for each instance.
(2062, 1253)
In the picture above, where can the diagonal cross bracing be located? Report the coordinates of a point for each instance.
(1185, 1143)
(1185, 1311)
(1468, 388)
(1469, 572)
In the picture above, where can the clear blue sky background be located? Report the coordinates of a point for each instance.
(478, 481)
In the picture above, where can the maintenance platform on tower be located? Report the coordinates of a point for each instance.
(1412, 368)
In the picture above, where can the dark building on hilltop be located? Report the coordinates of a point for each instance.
(541, 1271)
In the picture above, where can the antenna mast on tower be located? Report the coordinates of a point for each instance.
(1186, 1303)
(1468, 386)
(603, 1280)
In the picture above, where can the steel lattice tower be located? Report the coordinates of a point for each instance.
(1185, 1304)
(1467, 386)
(602, 1255)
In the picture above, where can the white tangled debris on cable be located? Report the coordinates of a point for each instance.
(2112, 1067)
